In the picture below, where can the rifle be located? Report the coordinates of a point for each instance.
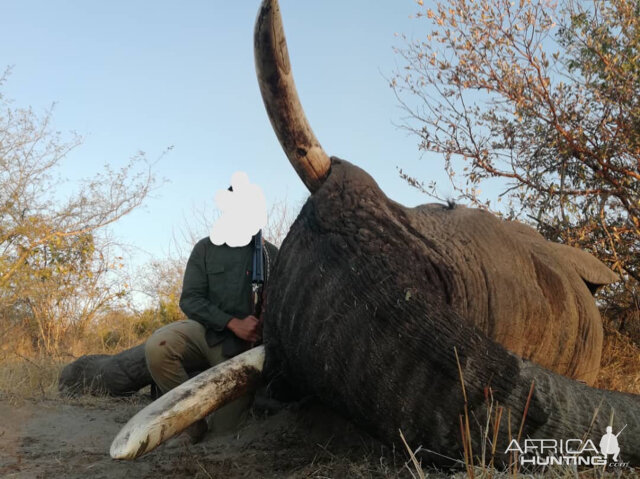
(257, 278)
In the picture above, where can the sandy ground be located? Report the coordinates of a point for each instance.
(71, 439)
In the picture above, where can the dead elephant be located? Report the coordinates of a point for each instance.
(381, 311)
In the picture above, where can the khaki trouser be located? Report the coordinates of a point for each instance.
(179, 347)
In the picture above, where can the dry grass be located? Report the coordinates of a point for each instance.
(29, 378)
(27, 375)
(620, 371)
(620, 365)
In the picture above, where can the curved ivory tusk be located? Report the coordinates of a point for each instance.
(187, 403)
(281, 99)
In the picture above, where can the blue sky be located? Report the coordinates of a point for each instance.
(132, 76)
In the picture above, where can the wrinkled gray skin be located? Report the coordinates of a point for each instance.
(360, 315)
(532, 296)
(118, 375)
(369, 301)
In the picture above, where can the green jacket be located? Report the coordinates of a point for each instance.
(217, 287)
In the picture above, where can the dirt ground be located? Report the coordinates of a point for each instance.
(71, 439)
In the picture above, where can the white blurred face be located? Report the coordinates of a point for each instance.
(243, 212)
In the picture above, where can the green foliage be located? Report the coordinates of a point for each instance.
(58, 267)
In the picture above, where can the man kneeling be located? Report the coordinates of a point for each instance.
(217, 299)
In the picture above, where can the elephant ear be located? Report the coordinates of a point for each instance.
(592, 271)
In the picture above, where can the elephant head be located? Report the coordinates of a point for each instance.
(403, 318)
(379, 309)
(532, 296)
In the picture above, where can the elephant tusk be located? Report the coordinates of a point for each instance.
(281, 99)
(193, 400)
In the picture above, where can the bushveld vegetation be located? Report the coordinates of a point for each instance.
(538, 101)
(541, 99)
(61, 275)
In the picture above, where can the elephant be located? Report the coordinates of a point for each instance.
(120, 374)
(417, 320)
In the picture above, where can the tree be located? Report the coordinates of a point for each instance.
(545, 98)
(56, 262)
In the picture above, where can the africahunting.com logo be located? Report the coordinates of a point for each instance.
(575, 452)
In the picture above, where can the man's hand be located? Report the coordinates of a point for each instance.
(247, 328)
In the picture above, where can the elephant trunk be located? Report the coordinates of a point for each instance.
(281, 99)
(121, 374)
